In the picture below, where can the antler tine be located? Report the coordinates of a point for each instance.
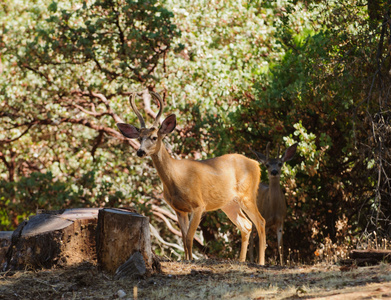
(133, 105)
(278, 150)
(157, 119)
(267, 150)
(255, 153)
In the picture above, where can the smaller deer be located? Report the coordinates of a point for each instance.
(271, 201)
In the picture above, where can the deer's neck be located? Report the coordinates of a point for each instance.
(164, 164)
(274, 187)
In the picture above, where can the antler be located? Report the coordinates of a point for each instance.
(133, 105)
(278, 150)
(267, 150)
(156, 123)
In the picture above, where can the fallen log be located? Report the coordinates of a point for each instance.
(367, 257)
(372, 254)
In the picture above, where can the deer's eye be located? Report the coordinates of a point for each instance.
(154, 138)
(280, 165)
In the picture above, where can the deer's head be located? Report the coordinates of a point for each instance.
(274, 165)
(150, 138)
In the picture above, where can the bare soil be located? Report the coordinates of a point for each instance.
(203, 279)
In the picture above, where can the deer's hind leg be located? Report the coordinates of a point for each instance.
(236, 215)
(252, 211)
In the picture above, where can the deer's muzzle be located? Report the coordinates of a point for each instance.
(141, 153)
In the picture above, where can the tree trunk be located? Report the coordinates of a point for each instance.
(53, 238)
(120, 234)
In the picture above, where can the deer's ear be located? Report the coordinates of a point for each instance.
(260, 157)
(168, 124)
(128, 131)
(289, 153)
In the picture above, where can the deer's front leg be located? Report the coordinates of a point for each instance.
(183, 220)
(194, 222)
(279, 229)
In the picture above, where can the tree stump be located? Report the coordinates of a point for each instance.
(53, 238)
(5, 243)
(120, 234)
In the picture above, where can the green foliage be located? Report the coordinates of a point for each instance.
(314, 95)
(218, 233)
(122, 38)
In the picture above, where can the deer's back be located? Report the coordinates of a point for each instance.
(212, 182)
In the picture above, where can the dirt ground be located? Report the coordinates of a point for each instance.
(203, 279)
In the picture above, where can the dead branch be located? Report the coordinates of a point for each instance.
(156, 234)
(164, 212)
(171, 228)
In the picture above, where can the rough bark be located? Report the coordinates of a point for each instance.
(133, 267)
(5, 242)
(120, 234)
(367, 257)
(372, 255)
(53, 239)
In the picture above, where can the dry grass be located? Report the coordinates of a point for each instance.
(203, 279)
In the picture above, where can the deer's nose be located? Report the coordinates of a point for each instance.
(274, 172)
(140, 153)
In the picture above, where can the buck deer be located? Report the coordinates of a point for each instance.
(229, 182)
(271, 201)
